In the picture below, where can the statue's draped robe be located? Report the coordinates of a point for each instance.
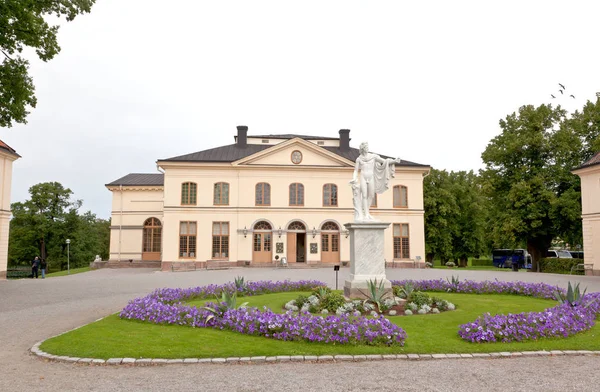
(382, 174)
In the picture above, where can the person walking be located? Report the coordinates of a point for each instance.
(35, 265)
(43, 267)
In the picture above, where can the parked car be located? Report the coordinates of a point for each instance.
(560, 254)
(576, 254)
(506, 258)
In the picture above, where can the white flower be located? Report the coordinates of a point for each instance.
(408, 312)
(435, 310)
(374, 314)
(392, 313)
(451, 306)
(421, 311)
(324, 311)
(413, 306)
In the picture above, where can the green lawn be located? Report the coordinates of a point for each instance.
(112, 337)
(72, 272)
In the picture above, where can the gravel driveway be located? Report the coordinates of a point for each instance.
(33, 310)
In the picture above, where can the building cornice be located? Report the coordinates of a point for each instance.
(113, 188)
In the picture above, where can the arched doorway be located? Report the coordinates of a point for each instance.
(296, 242)
(330, 243)
(152, 240)
(262, 242)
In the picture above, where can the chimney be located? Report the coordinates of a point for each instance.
(242, 136)
(344, 139)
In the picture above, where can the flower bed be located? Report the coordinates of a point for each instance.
(165, 306)
(538, 290)
(562, 320)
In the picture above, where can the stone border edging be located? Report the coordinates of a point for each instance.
(302, 358)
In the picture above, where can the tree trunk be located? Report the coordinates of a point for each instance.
(537, 248)
(463, 261)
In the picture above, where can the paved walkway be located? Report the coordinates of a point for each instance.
(32, 310)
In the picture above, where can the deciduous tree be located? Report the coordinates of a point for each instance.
(23, 24)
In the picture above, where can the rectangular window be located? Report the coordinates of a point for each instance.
(262, 194)
(221, 194)
(257, 242)
(335, 242)
(400, 196)
(220, 240)
(324, 242)
(296, 194)
(401, 241)
(330, 196)
(188, 193)
(187, 239)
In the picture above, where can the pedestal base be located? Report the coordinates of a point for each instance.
(367, 260)
(359, 289)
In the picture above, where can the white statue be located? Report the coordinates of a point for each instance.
(98, 258)
(375, 174)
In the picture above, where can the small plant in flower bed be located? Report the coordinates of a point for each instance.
(165, 306)
(421, 303)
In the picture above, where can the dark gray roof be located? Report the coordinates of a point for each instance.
(353, 153)
(594, 160)
(234, 152)
(140, 179)
(291, 136)
(229, 153)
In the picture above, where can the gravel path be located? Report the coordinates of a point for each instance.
(33, 310)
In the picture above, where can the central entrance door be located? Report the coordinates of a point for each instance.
(330, 243)
(296, 242)
(262, 244)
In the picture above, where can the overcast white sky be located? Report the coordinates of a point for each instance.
(139, 80)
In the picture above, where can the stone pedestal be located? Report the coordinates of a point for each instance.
(367, 261)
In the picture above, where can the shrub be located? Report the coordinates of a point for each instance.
(559, 266)
(419, 298)
(482, 262)
(450, 264)
(301, 300)
(332, 302)
(403, 291)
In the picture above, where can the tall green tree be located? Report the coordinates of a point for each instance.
(535, 198)
(440, 208)
(454, 216)
(42, 224)
(23, 24)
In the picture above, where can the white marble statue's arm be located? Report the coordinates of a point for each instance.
(355, 175)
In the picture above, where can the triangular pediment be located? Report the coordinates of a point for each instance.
(281, 155)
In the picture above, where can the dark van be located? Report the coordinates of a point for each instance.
(506, 258)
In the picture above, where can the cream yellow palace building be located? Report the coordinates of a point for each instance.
(256, 201)
(7, 157)
(589, 173)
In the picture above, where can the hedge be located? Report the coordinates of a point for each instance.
(560, 266)
(482, 262)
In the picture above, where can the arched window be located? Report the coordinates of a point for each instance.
(296, 194)
(299, 226)
(152, 236)
(221, 194)
(330, 195)
(262, 225)
(330, 226)
(263, 194)
(400, 196)
(188, 193)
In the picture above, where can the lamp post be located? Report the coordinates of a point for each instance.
(68, 241)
